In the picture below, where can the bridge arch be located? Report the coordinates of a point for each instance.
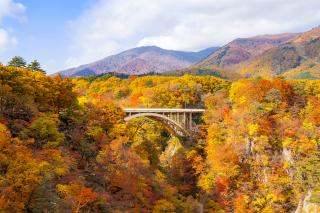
(171, 124)
(179, 121)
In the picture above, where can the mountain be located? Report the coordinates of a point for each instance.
(244, 49)
(298, 58)
(141, 60)
(292, 55)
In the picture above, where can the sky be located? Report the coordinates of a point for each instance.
(67, 33)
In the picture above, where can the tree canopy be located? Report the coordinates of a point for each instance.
(18, 62)
(35, 66)
(64, 145)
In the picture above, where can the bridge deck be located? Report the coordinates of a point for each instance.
(160, 110)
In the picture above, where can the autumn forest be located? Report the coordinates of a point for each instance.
(65, 147)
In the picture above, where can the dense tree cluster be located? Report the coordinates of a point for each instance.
(269, 133)
(64, 146)
(19, 62)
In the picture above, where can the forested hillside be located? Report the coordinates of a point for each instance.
(298, 54)
(293, 56)
(243, 49)
(66, 148)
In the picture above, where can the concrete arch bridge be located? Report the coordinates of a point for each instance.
(180, 121)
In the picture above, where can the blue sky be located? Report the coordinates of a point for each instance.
(66, 33)
(42, 31)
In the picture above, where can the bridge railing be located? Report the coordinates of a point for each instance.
(160, 110)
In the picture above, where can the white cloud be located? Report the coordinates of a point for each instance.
(110, 26)
(8, 8)
(6, 41)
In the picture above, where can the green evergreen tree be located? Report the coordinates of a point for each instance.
(35, 66)
(17, 61)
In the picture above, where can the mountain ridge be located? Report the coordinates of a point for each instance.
(296, 56)
(244, 49)
(292, 55)
(141, 60)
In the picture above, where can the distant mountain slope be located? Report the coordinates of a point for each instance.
(141, 60)
(197, 71)
(307, 70)
(244, 49)
(297, 56)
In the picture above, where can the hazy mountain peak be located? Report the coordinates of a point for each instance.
(141, 60)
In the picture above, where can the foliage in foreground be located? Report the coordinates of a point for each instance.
(65, 148)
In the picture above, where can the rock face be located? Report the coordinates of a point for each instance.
(141, 60)
(305, 205)
(244, 49)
